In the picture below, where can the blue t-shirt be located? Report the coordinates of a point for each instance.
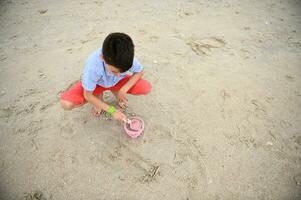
(95, 72)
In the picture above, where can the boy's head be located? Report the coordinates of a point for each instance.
(118, 51)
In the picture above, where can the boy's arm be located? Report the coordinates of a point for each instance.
(95, 101)
(134, 78)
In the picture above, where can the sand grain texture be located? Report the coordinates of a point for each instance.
(223, 120)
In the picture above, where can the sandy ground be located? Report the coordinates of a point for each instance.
(223, 120)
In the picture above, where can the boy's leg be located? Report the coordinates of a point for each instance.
(74, 96)
(67, 105)
(142, 87)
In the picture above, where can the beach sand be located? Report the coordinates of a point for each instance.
(223, 120)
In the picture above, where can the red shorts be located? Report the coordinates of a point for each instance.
(75, 94)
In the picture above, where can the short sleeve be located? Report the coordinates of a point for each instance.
(136, 67)
(89, 79)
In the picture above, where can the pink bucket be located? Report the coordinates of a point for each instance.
(135, 127)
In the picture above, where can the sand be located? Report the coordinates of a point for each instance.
(223, 120)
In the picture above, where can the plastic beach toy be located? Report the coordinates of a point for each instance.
(134, 127)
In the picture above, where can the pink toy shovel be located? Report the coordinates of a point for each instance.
(134, 127)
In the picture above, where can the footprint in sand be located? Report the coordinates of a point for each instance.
(289, 78)
(205, 45)
(153, 38)
(66, 128)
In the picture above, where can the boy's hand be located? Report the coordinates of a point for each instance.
(96, 111)
(123, 102)
(118, 115)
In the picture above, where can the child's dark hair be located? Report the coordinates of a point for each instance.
(118, 51)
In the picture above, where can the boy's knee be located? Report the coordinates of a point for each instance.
(66, 105)
(143, 89)
(147, 88)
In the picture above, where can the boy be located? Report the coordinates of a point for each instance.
(107, 69)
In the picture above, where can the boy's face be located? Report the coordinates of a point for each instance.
(112, 69)
(115, 71)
